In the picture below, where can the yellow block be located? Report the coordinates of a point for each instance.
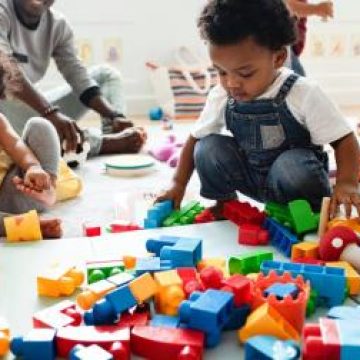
(24, 227)
(93, 293)
(167, 278)
(218, 262)
(350, 223)
(352, 276)
(143, 288)
(59, 280)
(305, 249)
(265, 320)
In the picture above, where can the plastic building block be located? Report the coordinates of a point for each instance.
(93, 352)
(251, 234)
(165, 321)
(155, 343)
(270, 348)
(330, 283)
(280, 237)
(187, 274)
(185, 215)
(100, 270)
(218, 262)
(280, 213)
(4, 337)
(237, 317)
(129, 261)
(170, 292)
(120, 279)
(353, 224)
(143, 288)
(37, 344)
(59, 315)
(103, 336)
(155, 245)
(306, 250)
(91, 229)
(123, 226)
(321, 341)
(59, 280)
(209, 312)
(24, 227)
(135, 318)
(205, 216)
(303, 218)
(151, 265)
(266, 320)
(345, 313)
(293, 310)
(157, 214)
(242, 213)
(248, 263)
(281, 291)
(352, 276)
(240, 287)
(211, 278)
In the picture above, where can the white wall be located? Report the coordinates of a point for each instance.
(153, 29)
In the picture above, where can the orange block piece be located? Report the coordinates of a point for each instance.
(218, 262)
(4, 337)
(353, 224)
(129, 262)
(24, 227)
(59, 280)
(93, 293)
(308, 250)
(143, 287)
(265, 320)
(170, 292)
(352, 276)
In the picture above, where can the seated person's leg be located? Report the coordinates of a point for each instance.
(298, 174)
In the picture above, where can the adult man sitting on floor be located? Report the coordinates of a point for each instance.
(33, 33)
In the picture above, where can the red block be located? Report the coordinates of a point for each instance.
(156, 343)
(192, 286)
(240, 286)
(90, 230)
(243, 213)
(204, 217)
(251, 234)
(211, 277)
(120, 227)
(187, 274)
(130, 320)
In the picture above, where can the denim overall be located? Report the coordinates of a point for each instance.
(269, 158)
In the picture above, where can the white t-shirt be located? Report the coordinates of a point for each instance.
(306, 101)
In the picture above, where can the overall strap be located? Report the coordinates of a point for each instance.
(285, 89)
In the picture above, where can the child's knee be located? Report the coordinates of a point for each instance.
(39, 128)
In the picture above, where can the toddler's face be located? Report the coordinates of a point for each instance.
(246, 69)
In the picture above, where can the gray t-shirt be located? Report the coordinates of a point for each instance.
(33, 48)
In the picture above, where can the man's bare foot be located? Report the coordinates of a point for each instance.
(128, 141)
(46, 197)
(217, 210)
(51, 228)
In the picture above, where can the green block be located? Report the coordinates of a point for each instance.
(311, 304)
(185, 215)
(102, 270)
(303, 218)
(248, 263)
(279, 212)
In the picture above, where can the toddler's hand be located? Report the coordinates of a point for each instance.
(175, 193)
(37, 178)
(347, 194)
(325, 9)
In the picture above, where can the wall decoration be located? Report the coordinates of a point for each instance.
(85, 51)
(337, 45)
(113, 51)
(355, 45)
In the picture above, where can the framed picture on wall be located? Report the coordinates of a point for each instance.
(337, 45)
(113, 51)
(85, 51)
(355, 45)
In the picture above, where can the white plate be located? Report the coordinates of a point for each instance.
(130, 172)
(130, 162)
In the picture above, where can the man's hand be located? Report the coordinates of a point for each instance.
(325, 9)
(67, 129)
(347, 194)
(119, 124)
(175, 193)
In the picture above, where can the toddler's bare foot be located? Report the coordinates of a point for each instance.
(51, 228)
(47, 197)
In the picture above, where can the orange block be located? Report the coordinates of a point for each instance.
(4, 337)
(218, 262)
(308, 250)
(352, 276)
(265, 320)
(93, 293)
(59, 280)
(129, 262)
(353, 224)
(170, 292)
(143, 288)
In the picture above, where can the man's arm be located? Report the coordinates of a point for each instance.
(301, 9)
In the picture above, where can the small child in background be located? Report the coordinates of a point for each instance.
(28, 166)
(278, 121)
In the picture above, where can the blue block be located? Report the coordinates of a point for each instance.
(270, 348)
(349, 338)
(238, 317)
(92, 352)
(155, 245)
(208, 312)
(165, 321)
(329, 282)
(157, 214)
(37, 344)
(281, 290)
(345, 313)
(280, 237)
(151, 265)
